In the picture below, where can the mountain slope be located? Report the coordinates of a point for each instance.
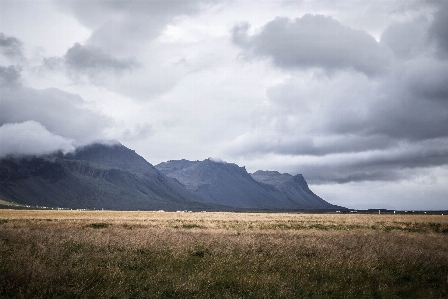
(113, 155)
(295, 188)
(223, 183)
(231, 185)
(96, 176)
(115, 177)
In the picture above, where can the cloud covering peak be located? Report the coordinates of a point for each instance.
(31, 138)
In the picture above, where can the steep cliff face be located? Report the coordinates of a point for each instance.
(231, 185)
(295, 188)
(97, 176)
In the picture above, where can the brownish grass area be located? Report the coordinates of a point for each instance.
(95, 254)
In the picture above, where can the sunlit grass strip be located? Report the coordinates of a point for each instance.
(241, 221)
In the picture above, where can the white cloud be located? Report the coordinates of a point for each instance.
(31, 138)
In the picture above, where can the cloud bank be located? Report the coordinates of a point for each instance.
(59, 112)
(381, 117)
(31, 138)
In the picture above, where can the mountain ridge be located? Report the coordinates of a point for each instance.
(293, 187)
(228, 183)
(92, 177)
(112, 176)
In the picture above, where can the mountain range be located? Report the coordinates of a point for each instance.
(228, 184)
(111, 176)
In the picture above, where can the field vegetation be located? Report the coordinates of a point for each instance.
(99, 254)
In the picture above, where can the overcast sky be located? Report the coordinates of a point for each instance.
(352, 94)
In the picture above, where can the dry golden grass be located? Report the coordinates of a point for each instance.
(241, 221)
(86, 254)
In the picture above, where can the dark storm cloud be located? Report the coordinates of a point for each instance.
(428, 80)
(90, 59)
(410, 105)
(9, 76)
(357, 128)
(397, 164)
(10, 46)
(288, 144)
(439, 29)
(407, 106)
(314, 41)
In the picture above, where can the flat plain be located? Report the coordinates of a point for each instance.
(109, 254)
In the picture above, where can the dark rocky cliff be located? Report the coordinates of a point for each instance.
(114, 177)
(97, 176)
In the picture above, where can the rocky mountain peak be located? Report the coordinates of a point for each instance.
(99, 175)
(110, 175)
(113, 155)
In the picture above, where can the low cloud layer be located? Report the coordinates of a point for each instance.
(31, 138)
(395, 164)
(60, 112)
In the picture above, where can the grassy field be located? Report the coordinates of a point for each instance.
(95, 254)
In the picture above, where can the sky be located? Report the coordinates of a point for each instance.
(352, 94)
